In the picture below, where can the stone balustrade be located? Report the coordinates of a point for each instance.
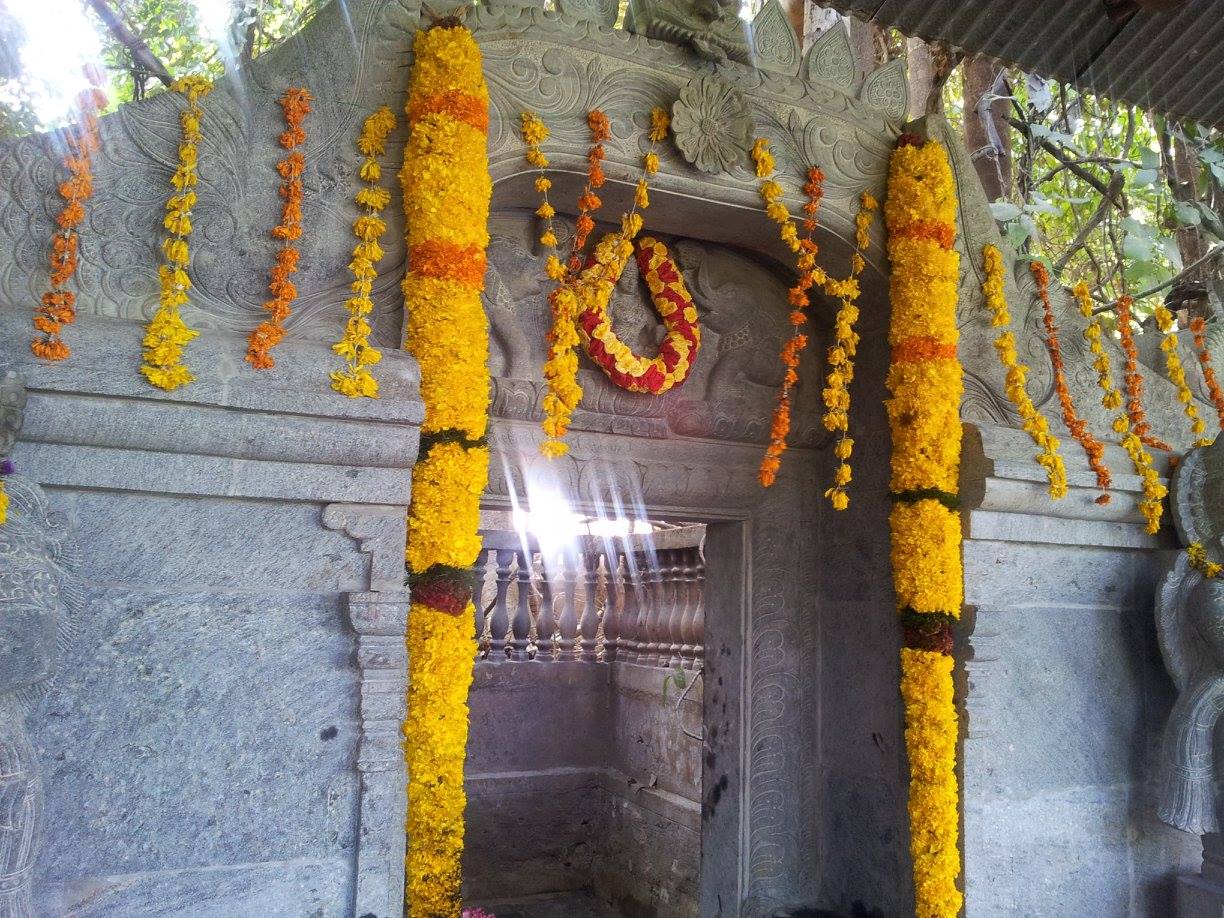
(638, 600)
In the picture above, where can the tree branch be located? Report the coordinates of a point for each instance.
(1067, 161)
(1211, 253)
(140, 52)
(1115, 185)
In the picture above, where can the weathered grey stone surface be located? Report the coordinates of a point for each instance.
(1064, 696)
(40, 606)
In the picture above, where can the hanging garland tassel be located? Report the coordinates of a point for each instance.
(1137, 436)
(1093, 447)
(582, 293)
(924, 380)
(167, 335)
(1198, 327)
(59, 304)
(446, 207)
(1177, 373)
(356, 380)
(6, 468)
(296, 105)
(1033, 421)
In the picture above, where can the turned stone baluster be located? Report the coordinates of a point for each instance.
(520, 625)
(692, 597)
(682, 603)
(652, 581)
(499, 621)
(569, 578)
(670, 575)
(627, 647)
(546, 623)
(479, 589)
(588, 626)
(613, 605)
(696, 628)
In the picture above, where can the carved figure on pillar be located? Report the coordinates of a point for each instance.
(39, 605)
(1190, 626)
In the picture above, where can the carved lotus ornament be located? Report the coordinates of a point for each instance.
(712, 125)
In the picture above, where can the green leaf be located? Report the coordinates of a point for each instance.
(1137, 248)
(1187, 214)
(1004, 210)
(1143, 177)
(1150, 159)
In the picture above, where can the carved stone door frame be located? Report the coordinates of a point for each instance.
(759, 839)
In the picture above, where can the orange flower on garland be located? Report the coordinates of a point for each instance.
(1198, 326)
(809, 276)
(59, 304)
(589, 201)
(296, 106)
(1078, 427)
(1132, 424)
(1134, 380)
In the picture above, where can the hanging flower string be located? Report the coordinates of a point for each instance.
(447, 188)
(925, 383)
(585, 290)
(296, 105)
(1201, 563)
(6, 469)
(810, 274)
(59, 303)
(1078, 427)
(356, 380)
(1177, 373)
(1032, 420)
(1198, 327)
(841, 355)
(1134, 379)
(167, 335)
(1133, 441)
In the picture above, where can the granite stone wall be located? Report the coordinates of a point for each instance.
(201, 743)
(1066, 693)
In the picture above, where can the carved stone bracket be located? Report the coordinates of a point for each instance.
(379, 617)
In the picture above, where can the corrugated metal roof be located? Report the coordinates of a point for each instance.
(1171, 63)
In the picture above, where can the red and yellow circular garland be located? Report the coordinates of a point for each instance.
(678, 350)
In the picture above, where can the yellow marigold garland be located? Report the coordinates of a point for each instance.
(167, 335)
(1177, 373)
(1198, 560)
(925, 382)
(446, 205)
(355, 380)
(580, 290)
(58, 303)
(1033, 421)
(296, 105)
(841, 356)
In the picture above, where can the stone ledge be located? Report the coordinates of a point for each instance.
(89, 467)
(106, 356)
(1004, 495)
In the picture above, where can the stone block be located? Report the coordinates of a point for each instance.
(648, 739)
(864, 854)
(318, 889)
(197, 729)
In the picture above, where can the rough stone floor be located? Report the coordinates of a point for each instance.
(567, 905)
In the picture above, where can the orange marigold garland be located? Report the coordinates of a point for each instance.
(1177, 373)
(809, 275)
(1136, 437)
(58, 303)
(1078, 427)
(296, 106)
(1134, 379)
(841, 355)
(1198, 326)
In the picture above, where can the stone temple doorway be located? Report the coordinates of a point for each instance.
(586, 744)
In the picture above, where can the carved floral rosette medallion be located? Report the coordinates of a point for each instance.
(712, 125)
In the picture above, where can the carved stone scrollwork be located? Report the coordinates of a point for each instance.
(714, 30)
(887, 90)
(830, 60)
